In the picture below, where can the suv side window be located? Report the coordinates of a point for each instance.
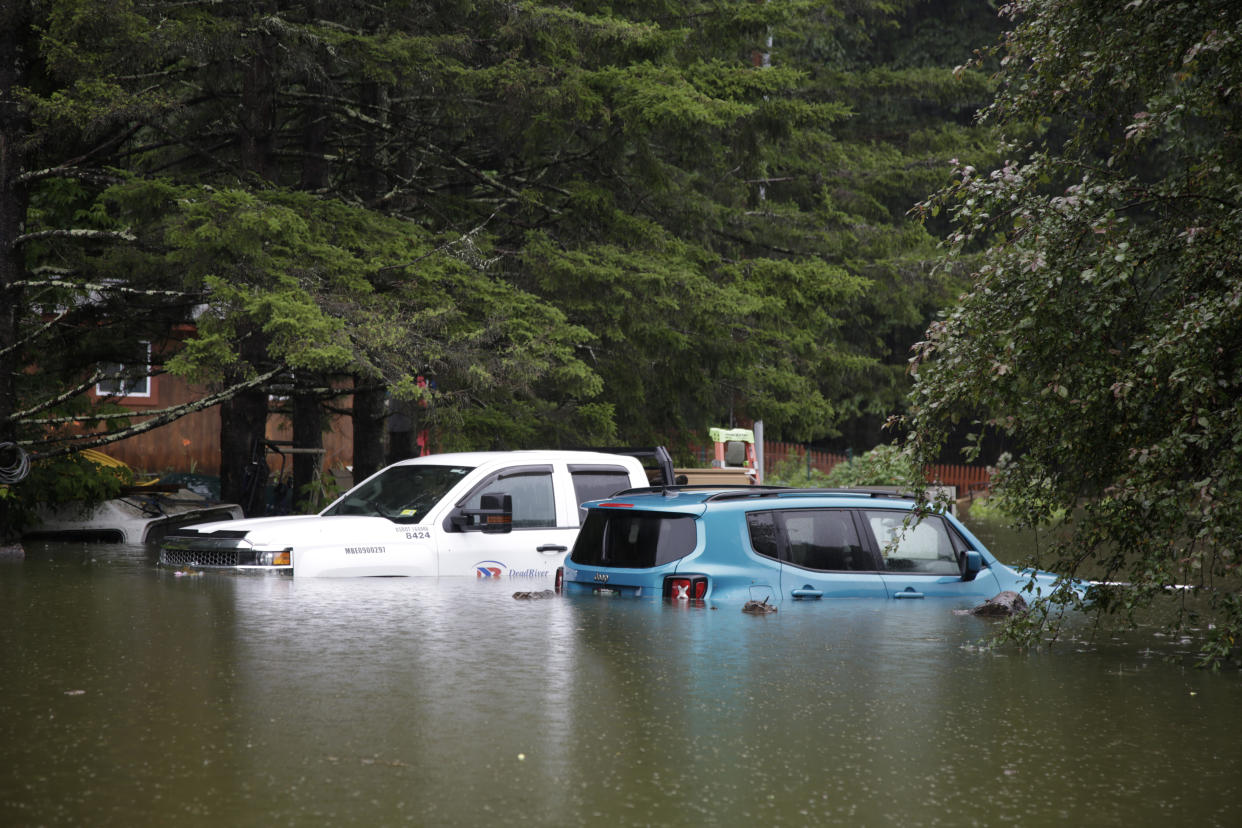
(821, 539)
(597, 483)
(534, 505)
(924, 547)
(763, 536)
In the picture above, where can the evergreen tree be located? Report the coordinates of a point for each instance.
(899, 68)
(580, 222)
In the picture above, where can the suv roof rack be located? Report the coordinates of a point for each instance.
(671, 489)
(738, 491)
(777, 491)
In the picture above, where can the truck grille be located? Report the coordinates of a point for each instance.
(199, 557)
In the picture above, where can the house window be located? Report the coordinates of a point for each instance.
(127, 379)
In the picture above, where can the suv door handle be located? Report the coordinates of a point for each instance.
(551, 547)
(908, 592)
(806, 592)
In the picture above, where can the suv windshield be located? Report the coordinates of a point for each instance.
(636, 540)
(403, 494)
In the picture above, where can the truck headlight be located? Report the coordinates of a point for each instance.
(282, 558)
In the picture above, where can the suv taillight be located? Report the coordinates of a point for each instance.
(685, 587)
(558, 581)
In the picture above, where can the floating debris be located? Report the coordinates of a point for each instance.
(534, 596)
(1001, 604)
(758, 607)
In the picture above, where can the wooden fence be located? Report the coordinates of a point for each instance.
(774, 454)
(966, 478)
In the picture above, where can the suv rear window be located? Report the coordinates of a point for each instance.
(633, 540)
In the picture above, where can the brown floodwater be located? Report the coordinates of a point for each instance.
(134, 696)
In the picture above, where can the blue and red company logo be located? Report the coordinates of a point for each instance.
(489, 569)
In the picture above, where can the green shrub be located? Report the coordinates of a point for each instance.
(793, 471)
(882, 466)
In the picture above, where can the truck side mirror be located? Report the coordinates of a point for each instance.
(494, 515)
(972, 562)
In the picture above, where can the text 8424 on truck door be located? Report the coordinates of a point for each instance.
(503, 515)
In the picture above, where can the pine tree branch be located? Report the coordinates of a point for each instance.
(70, 168)
(102, 288)
(77, 233)
(495, 183)
(63, 397)
(160, 418)
(35, 334)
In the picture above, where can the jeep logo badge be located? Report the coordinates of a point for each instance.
(601, 578)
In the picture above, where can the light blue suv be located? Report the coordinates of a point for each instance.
(778, 545)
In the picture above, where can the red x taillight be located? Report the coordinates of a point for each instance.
(685, 587)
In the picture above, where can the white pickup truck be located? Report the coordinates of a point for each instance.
(508, 514)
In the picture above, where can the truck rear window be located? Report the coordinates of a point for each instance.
(633, 540)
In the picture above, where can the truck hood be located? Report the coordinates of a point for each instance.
(293, 529)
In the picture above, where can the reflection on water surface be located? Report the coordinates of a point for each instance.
(133, 696)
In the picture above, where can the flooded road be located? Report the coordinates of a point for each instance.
(133, 696)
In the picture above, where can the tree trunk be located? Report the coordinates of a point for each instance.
(14, 127)
(308, 418)
(243, 419)
(368, 428)
(369, 396)
(401, 434)
(243, 432)
(315, 131)
(374, 181)
(243, 458)
(258, 113)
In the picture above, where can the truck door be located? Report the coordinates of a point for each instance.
(534, 546)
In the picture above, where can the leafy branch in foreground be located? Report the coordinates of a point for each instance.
(1099, 338)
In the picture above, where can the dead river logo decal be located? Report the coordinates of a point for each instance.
(489, 569)
(497, 570)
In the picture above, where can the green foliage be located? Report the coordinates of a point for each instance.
(794, 471)
(997, 507)
(67, 481)
(1099, 337)
(584, 223)
(892, 66)
(884, 465)
(991, 509)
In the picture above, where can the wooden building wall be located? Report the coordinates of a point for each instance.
(192, 443)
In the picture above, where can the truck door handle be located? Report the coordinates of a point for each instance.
(806, 592)
(908, 592)
(551, 547)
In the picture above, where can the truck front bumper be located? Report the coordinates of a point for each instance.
(223, 553)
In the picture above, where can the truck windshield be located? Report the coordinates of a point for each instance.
(403, 494)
